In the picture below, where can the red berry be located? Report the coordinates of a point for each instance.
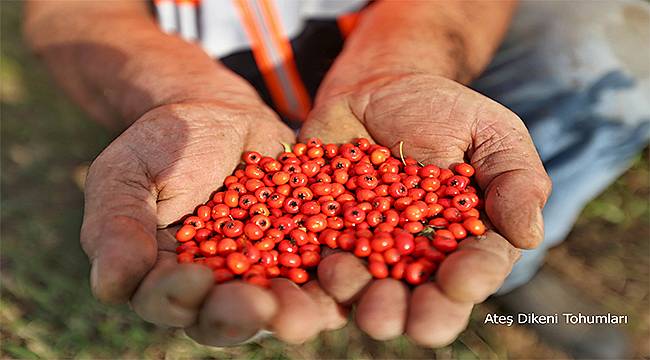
(378, 270)
(310, 258)
(289, 260)
(464, 169)
(354, 215)
(237, 263)
(299, 276)
(185, 233)
(474, 226)
(208, 247)
(251, 157)
(415, 273)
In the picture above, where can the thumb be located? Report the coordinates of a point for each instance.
(119, 227)
(333, 123)
(511, 173)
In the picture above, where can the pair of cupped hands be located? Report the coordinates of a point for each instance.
(174, 156)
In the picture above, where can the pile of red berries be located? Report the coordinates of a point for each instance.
(274, 215)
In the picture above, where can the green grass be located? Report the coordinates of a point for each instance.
(46, 310)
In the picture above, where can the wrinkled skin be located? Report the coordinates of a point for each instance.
(441, 122)
(158, 170)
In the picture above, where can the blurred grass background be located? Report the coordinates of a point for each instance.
(46, 310)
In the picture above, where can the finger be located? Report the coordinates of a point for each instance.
(334, 315)
(433, 319)
(233, 313)
(333, 124)
(171, 294)
(511, 173)
(382, 309)
(297, 319)
(119, 226)
(477, 269)
(343, 276)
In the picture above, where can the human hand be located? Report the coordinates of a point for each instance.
(441, 122)
(169, 161)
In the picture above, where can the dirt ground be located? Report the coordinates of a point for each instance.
(46, 310)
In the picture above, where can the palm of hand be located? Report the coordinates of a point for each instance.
(441, 122)
(156, 172)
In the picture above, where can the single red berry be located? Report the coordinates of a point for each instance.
(413, 227)
(397, 271)
(457, 181)
(292, 205)
(328, 237)
(220, 210)
(237, 263)
(310, 258)
(265, 244)
(415, 273)
(208, 248)
(414, 213)
(185, 233)
(233, 228)
(226, 246)
(362, 248)
(470, 213)
(330, 150)
(474, 226)
(444, 244)
(391, 256)
(251, 157)
(464, 169)
(377, 269)
(253, 231)
(299, 276)
(430, 184)
(289, 259)
(298, 179)
(379, 156)
(346, 241)
(463, 202)
(204, 212)
(287, 246)
(452, 214)
(202, 234)
(316, 223)
(397, 190)
(382, 242)
(231, 198)
(404, 243)
(458, 231)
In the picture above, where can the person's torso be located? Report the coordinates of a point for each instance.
(282, 47)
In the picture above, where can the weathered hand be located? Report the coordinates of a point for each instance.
(157, 171)
(441, 122)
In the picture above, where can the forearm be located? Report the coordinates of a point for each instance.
(455, 40)
(113, 60)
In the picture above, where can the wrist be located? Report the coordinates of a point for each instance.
(451, 40)
(337, 84)
(187, 76)
(359, 97)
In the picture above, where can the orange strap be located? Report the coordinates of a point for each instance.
(347, 23)
(274, 57)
